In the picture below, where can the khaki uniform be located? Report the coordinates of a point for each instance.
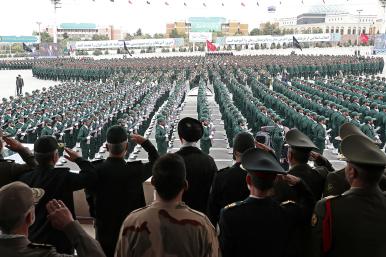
(20, 246)
(167, 230)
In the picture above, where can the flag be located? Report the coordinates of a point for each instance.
(166, 3)
(364, 38)
(204, 4)
(296, 43)
(125, 47)
(147, 2)
(211, 47)
(185, 4)
(242, 4)
(222, 4)
(26, 48)
(257, 3)
(130, 2)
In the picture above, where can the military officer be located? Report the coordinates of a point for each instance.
(320, 134)
(161, 135)
(205, 141)
(84, 138)
(264, 217)
(360, 210)
(368, 128)
(47, 129)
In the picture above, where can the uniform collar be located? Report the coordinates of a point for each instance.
(364, 191)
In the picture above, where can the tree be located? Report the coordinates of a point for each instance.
(255, 32)
(138, 33)
(174, 34)
(129, 36)
(17, 48)
(44, 37)
(270, 29)
(97, 37)
(158, 35)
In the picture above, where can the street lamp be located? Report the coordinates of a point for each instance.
(359, 28)
(57, 5)
(383, 4)
(39, 23)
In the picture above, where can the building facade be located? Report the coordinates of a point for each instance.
(207, 24)
(331, 19)
(86, 31)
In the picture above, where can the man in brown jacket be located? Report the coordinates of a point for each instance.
(17, 213)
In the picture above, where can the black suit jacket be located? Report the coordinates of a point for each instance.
(58, 183)
(200, 170)
(228, 186)
(262, 227)
(117, 192)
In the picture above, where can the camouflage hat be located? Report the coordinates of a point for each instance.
(16, 199)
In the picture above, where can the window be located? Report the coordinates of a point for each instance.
(349, 31)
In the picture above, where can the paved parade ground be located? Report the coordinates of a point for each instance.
(8, 82)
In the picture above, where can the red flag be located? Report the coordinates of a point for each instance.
(364, 38)
(211, 47)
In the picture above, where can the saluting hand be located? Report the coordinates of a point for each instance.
(72, 155)
(13, 144)
(138, 139)
(59, 215)
(289, 179)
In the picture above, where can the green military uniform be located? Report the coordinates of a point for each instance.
(205, 141)
(161, 136)
(84, 140)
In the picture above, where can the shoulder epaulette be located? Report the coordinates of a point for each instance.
(98, 161)
(42, 246)
(331, 197)
(7, 160)
(234, 204)
(287, 202)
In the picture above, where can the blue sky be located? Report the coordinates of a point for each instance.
(22, 15)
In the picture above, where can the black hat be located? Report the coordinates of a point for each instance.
(45, 144)
(242, 142)
(190, 129)
(261, 161)
(362, 150)
(116, 135)
(297, 139)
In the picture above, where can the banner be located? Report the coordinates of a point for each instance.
(19, 39)
(380, 43)
(48, 49)
(251, 40)
(138, 43)
(200, 36)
